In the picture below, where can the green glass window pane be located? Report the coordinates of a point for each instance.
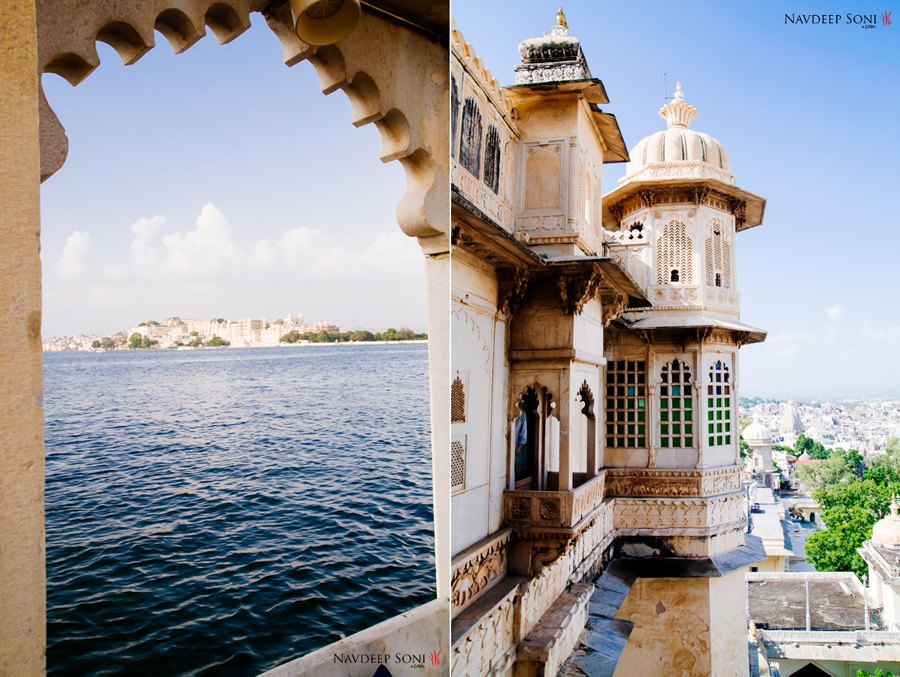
(710, 414)
(718, 427)
(727, 401)
(727, 427)
(642, 429)
(676, 441)
(620, 404)
(641, 403)
(630, 441)
(630, 416)
(664, 403)
(663, 416)
(676, 403)
(709, 402)
(689, 415)
(641, 415)
(664, 442)
(631, 430)
(712, 441)
(676, 428)
(728, 439)
(642, 441)
(631, 403)
(676, 415)
(664, 429)
(688, 402)
(688, 430)
(719, 439)
(689, 441)
(718, 415)
(712, 427)
(718, 401)
(728, 413)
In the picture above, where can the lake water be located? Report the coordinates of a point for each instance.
(223, 511)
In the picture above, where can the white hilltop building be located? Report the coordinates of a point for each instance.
(596, 473)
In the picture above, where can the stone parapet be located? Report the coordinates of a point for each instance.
(553, 509)
(477, 568)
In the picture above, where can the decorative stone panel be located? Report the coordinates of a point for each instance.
(477, 568)
(553, 509)
(674, 516)
(639, 482)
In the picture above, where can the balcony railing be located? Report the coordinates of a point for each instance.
(553, 509)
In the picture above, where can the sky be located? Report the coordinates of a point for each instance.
(808, 115)
(220, 183)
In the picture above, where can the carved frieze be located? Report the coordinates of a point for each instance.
(662, 515)
(474, 574)
(672, 483)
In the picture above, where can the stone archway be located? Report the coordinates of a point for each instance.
(402, 90)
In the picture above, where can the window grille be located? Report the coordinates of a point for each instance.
(718, 405)
(492, 159)
(676, 406)
(626, 404)
(457, 465)
(470, 141)
(717, 252)
(457, 401)
(674, 260)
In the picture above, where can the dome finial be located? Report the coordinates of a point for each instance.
(562, 26)
(677, 113)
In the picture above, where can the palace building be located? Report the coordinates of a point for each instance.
(597, 505)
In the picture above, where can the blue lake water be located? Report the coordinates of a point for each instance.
(220, 512)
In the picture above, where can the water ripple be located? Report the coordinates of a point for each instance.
(220, 512)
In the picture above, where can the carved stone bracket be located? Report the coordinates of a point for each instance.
(577, 289)
(700, 195)
(617, 210)
(614, 303)
(739, 209)
(512, 290)
(647, 197)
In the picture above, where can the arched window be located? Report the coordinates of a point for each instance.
(586, 397)
(674, 254)
(470, 141)
(717, 251)
(676, 406)
(492, 159)
(626, 404)
(532, 448)
(454, 115)
(718, 405)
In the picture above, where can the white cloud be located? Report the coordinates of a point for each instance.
(834, 312)
(882, 335)
(203, 252)
(144, 253)
(71, 262)
(789, 342)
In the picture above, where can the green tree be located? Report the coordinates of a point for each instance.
(95, 343)
(840, 466)
(849, 510)
(746, 451)
(217, 342)
(135, 340)
(107, 343)
(293, 336)
(878, 673)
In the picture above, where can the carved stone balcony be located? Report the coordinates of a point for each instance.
(478, 568)
(553, 509)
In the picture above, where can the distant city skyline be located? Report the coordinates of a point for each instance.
(807, 115)
(220, 183)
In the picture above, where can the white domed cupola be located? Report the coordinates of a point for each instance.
(678, 151)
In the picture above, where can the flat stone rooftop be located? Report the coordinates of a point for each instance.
(778, 602)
